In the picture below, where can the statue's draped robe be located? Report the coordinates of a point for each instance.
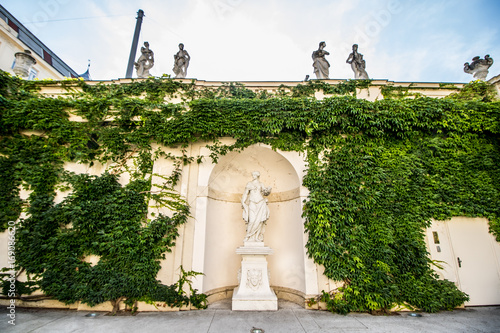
(320, 65)
(255, 213)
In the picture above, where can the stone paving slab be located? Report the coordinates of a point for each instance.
(290, 318)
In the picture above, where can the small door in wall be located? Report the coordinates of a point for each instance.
(471, 257)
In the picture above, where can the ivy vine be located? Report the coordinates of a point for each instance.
(378, 172)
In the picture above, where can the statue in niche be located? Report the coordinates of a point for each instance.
(479, 67)
(256, 211)
(357, 63)
(145, 62)
(320, 64)
(181, 62)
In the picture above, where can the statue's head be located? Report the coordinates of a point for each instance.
(146, 44)
(322, 44)
(355, 47)
(181, 46)
(255, 174)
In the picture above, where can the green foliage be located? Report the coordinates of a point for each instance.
(396, 92)
(343, 88)
(10, 205)
(378, 172)
(430, 294)
(21, 288)
(174, 295)
(104, 219)
(370, 203)
(234, 90)
(478, 90)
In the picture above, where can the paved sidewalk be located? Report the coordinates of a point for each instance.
(218, 318)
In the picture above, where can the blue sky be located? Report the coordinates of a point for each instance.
(271, 40)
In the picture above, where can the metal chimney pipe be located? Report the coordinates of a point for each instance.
(133, 49)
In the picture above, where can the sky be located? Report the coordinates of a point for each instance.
(270, 40)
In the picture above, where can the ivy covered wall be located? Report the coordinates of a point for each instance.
(378, 172)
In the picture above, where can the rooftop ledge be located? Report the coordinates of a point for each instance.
(372, 92)
(249, 84)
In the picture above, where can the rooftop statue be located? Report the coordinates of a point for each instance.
(320, 64)
(479, 67)
(357, 64)
(145, 62)
(181, 62)
(255, 212)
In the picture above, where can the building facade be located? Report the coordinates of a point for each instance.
(207, 243)
(15, 39)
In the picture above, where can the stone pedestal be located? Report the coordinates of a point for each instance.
(254, 292)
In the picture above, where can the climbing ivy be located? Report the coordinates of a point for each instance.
(378, 172)
(102, 218)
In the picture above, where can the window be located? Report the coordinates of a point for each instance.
(436, 237)
(33, 74)
(13, 26)
(47, 57)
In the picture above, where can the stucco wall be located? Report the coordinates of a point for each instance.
(207, 242)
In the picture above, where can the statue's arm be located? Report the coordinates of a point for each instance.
(186, 60)
(244, 197)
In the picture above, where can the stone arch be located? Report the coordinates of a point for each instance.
(225, 228)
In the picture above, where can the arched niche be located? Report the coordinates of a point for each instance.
(225, 228)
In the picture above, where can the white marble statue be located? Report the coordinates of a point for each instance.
(145, 62)
(479, 67)
(357, 63)
(256, 211)
(181, 62)
(320, 64)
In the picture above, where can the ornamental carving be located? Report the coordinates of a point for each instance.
(254, 278)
